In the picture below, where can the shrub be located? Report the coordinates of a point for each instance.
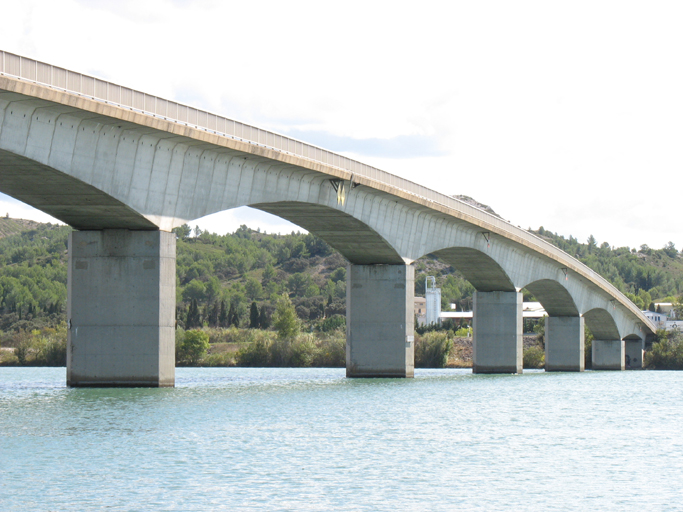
(534, 357)
(665, 354)
(331, 351)
(333, 323)
(193, 347)
(285, 320)
(432, 349)
(463, 332)
(254, 354)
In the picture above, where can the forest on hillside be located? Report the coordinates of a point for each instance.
(236, 279)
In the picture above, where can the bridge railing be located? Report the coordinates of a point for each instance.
(99, 90)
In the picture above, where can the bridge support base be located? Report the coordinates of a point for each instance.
(564, 344)
(608, 354)
(497, 328)
(633, 350)
(379, 320)
(121, 309)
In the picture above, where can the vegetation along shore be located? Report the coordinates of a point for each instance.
(255, 299)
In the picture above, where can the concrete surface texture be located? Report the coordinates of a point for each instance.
(497, 332)
(633, 353)
(121, 308)
(97, 165)
(564, 344)
(608, 354)
(380, 321)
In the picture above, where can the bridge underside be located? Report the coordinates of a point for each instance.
(359, 244)
(65, 198)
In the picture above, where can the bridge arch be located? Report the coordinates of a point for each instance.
(480, 269)
(555, 298)
(355, 240)
(602, 324)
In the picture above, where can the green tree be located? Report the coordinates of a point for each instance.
(194, 347)
(194, 318)
(254, 316)
(285, 320)
(183, 232)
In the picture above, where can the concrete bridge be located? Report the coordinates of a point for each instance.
(124, 168)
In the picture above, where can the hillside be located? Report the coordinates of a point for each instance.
(9, 226)
(219, 277)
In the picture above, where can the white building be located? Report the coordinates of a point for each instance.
(664, 317)
(433, 296)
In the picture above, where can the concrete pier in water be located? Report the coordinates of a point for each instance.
(121, 308)
(497, 332)
(564, 344)
(379, 320)
(608, 354)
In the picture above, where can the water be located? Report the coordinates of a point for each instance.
(309, 439)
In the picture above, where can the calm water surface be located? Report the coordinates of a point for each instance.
(310, 439)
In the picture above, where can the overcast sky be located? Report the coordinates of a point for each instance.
(567, 115)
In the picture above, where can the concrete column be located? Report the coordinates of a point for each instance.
(633, 350)
(564, 344)
(608, 354)
(497, 332)
(121, 308)
(379, 321)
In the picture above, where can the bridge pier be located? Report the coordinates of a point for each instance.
(497, 332)
(121, 308)
(380, 320)
(564, 344)
(608, 354)
(633, 350)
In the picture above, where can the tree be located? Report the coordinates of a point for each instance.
(223, 316)
(592, 244)
(268, 274)
(254, 316)
(182, 232)
(285, 320)
(263, 320)
(193, 316)
(253, 288)
(194, 346)
(214, 314)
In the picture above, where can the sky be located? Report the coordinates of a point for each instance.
(566, 115)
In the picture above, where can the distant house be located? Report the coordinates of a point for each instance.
(664, 316)
(421, 310)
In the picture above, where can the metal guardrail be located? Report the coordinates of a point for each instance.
(95, 89)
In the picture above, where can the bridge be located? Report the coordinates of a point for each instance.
(124, 168)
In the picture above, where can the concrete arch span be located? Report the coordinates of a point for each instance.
(66, 198)
(602, 324)
(481, 270)
(356, 241)
(555, 298)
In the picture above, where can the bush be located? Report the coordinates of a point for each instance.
(254, 354)
(432, 350)
(285, 320)
(463, 332)
(41, 347)
(193, 347)
(534, 357)
(331, 351)
(302, 351)
(333, 323)
(665, 354)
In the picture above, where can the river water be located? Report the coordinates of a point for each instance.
(310, 439)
